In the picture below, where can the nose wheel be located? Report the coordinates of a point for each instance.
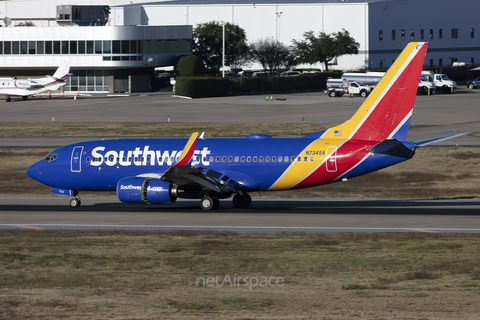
(209, 203)
(75, 202)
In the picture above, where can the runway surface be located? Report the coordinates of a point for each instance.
(264, 216)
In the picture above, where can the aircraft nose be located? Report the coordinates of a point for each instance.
(32, 171)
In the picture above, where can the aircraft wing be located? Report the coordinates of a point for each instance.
(22, 92)
(424, 143)
(181, 173)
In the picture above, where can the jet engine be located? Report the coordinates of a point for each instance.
(146, 190)
(27, 84)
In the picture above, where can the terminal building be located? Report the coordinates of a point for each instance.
(114, 45)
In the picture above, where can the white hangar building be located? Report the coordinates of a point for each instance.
(381, 27)
(114, 42)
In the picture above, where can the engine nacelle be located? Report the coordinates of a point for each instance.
(146, 190)
(27, 84)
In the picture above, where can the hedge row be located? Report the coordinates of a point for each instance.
(303, 82)
(202, 87)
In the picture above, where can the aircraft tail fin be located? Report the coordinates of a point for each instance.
(62, 72)
(387, 110)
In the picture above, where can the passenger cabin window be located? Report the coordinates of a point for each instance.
(274, 159)
(255, 159)
(260, 159)
(217, 159)
(224, 159)
(88, 159)
(249, 159)
(236, 158)
(230, 159)
(267, 159)
(243, 159)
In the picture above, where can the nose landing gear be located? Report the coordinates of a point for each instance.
(76, 202)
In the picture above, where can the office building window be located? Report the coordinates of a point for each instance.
(431, 62)
(125, 46)
(98, 47)
(1, 47)
(472, 60)
(48, 47)
(440, 33)
(116, 46)
(89, 47)
(431, 34)
(15, 47)
(64, 47)
(380, 35)
(440, 62)
(81, 47)
(472, 33)
(421, 34)
(32, 47)
(107, 47)
(56, 47)
(393, 34)
(403, 34)
(412, 34)
(73, 47)
(40, 47)
(23, 47)
(454, 33)
(7, 47)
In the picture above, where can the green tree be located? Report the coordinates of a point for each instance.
(207, 44)
(324, 48)
(271, 54)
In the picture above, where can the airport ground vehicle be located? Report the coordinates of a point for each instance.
(425, 86)
(339, 87)
(442, 82)
(474, 83)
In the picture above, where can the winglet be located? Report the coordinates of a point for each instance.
(188, 151)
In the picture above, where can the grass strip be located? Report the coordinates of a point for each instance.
(145, 275)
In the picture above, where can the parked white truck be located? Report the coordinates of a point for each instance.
(339, 87)
(425, 85)
(443, 83)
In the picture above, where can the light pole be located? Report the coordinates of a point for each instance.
(278, 24)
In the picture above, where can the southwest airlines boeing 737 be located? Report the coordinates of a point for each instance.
(162, 170)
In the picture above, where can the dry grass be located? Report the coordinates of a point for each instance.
(152, 275)
(431, 173)
(152, 129)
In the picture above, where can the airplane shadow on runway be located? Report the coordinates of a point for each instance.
(303, 206)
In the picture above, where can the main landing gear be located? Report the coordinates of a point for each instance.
(212, 203)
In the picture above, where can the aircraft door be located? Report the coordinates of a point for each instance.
(332, 160)
(76, 164)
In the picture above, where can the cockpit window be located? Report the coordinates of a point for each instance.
(51, 157)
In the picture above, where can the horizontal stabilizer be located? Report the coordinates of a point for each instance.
(423, 143)
(393, 147)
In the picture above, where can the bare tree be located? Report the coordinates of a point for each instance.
(271, 54)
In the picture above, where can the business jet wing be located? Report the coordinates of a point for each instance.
(424, 143)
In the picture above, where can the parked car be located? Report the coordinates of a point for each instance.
(474, 83)
(290, 74)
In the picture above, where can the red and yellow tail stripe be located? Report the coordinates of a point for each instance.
(188, 151)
